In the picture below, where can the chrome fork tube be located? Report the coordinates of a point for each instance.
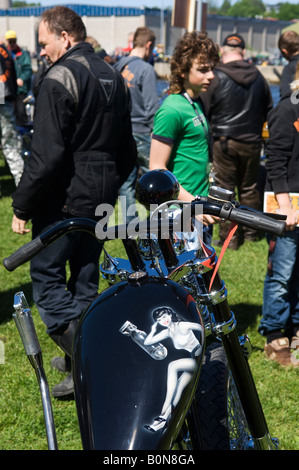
(25, 325)
(240, 370)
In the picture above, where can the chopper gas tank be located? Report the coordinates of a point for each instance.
(137, 354)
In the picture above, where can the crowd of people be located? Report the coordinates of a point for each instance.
(99, 124)
(15, 78)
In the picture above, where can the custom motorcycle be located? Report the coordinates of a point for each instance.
(157, 362)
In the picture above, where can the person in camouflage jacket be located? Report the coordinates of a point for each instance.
(11, 147)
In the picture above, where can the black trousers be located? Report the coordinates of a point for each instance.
(236, 167)
(20, 111)
(65, 276)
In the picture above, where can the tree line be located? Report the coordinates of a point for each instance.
(244, 8)
(255, 8)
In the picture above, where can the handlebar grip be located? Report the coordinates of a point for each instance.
(23, 254)
(256, 220)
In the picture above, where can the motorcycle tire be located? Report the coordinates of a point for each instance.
(222, 421)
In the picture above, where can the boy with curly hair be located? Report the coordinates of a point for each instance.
(180, 139)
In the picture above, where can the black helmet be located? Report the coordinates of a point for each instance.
(156, 187)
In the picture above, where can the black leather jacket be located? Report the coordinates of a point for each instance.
(83, 148)
(237, 102)
(282, 149)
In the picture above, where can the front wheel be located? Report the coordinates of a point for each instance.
(222, 421)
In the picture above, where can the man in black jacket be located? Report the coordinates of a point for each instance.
(280, 314)
(237, 104)
(82, 151)
(288, 44)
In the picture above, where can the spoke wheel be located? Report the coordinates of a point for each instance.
(222, 420)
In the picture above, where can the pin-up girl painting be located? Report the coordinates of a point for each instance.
(179, 371)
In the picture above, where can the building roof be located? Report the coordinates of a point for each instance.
(85, 10)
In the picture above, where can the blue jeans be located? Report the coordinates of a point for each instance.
(58, 299)
(127, 191)
(281, 286)
(143, 143)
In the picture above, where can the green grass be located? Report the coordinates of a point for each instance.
(21, 416)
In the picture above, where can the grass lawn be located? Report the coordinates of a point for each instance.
(21, 416)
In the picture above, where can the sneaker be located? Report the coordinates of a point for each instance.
(279, 351)
(295, 342)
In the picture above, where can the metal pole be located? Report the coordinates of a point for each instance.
(199, 15)
(25, 325)
(162, 24)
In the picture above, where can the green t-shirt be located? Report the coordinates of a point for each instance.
(176, 123)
